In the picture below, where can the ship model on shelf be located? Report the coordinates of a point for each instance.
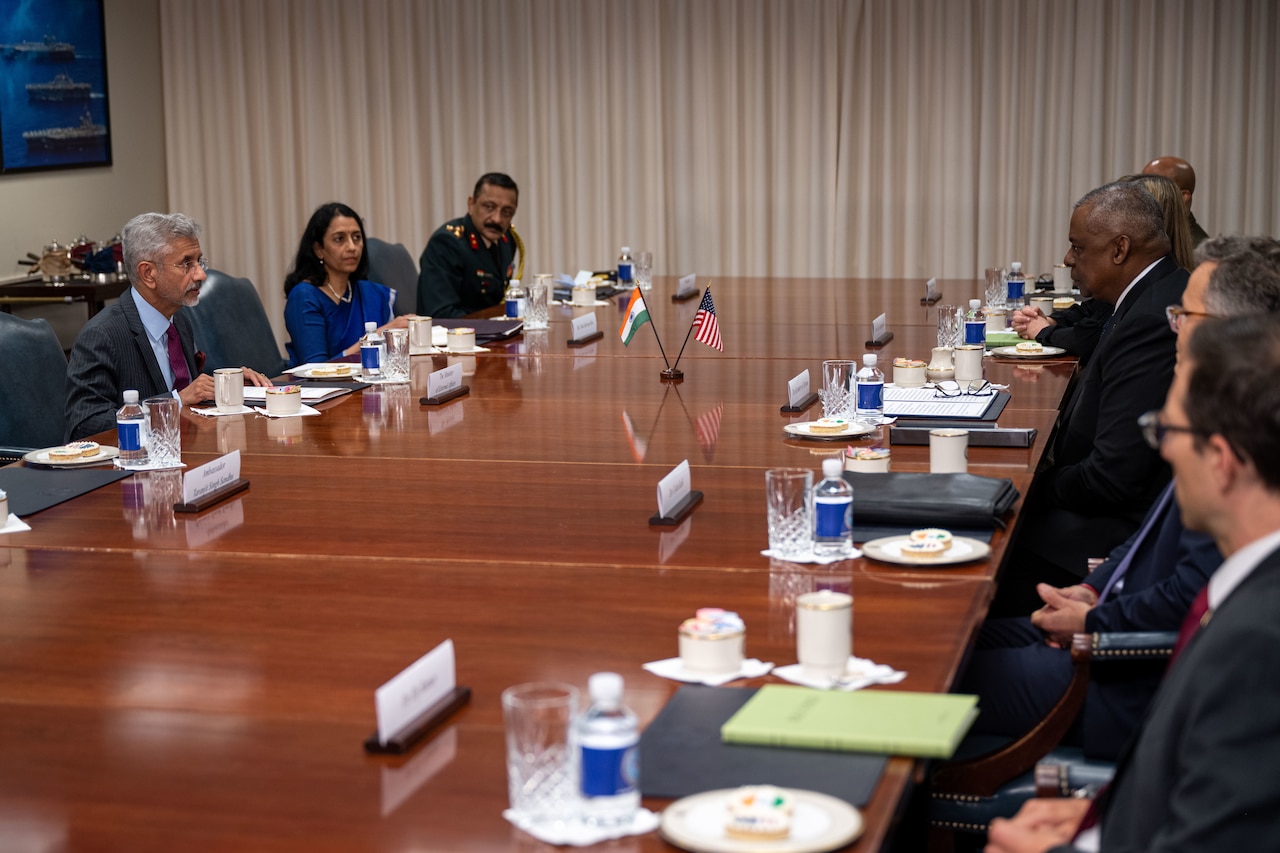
(86, 135)
(60, 88)
(48, 50)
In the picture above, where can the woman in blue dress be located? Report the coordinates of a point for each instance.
(328, 299)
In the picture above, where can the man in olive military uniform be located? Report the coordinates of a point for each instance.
(468, 261)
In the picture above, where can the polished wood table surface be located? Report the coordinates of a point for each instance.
(204, 682)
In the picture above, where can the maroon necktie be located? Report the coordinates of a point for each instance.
(1191, 624)
(177, 361)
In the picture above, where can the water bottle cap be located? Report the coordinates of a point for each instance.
(605, 687)
(515, 282)
(131, 396)
(371, 326)
(870, 359)
(1016, 266)
(832, 468)
(626, 250)
(975, 303)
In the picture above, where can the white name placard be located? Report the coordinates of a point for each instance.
(798, 388)
(687, 284)
(584, 326)
(931, 289)
(419, 686)
(878, 327)
(441, 382)
(210, 477)
(674, 488)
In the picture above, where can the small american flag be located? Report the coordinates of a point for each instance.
(705, 323)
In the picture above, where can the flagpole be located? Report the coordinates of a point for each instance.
(654, 326)
(690, 332)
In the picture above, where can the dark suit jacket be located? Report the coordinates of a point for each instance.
(1077, 328)
(1018, 678)
(1104, 476)
(1202, 773)
(112, 355)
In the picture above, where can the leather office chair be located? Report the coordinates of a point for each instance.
(392, 265)
(231, 326)
(966, 794)
(33, 387)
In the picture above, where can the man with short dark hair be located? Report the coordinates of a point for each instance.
(1180, 172)
(468, 261)
(1201, 773)
(144, 342)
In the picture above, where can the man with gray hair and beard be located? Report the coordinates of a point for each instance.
(144, 342)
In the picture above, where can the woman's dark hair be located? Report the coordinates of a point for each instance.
(306, 266)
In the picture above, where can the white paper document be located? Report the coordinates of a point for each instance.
(924, 403)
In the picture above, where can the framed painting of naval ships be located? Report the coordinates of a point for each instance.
(53, 85)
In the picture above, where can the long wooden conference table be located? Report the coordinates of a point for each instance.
(205, 682)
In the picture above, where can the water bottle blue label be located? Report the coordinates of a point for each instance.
(625, 271)
(513, 308)
(975, 331)
(870, 396)
(1015, 288)
(129, 435)
(832, 517)
(608, 772)
(369, 358)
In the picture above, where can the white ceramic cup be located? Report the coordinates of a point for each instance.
(284, 400)
(968, 361)
(824, 633)
(420, 332)
(228, 389)
(908, 376)
(1044, 303)
(997, 319)
(1061, 278)
(948, 451)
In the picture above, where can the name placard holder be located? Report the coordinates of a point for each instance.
(931, 293)
(582, 342)
(802, 405)
(677, 513)
(880, 334)
(422, 725)
(205, 501)
(686, 288)
(460, 391)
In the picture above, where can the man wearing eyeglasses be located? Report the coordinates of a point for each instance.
(1200, 775)
(144, 342)
(1020, 666)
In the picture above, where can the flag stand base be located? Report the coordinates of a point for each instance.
(673, 375)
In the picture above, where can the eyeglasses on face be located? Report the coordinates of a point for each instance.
(1153, 431)
(974, 388)
(188, 266)
(1177, 315)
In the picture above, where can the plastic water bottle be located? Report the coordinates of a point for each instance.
(515, 299)
(975, 323)
(626, 269)
(869, 406)
(608, 737)
(832, 512)
(1015, 285)
(372, 351)
(132, 432)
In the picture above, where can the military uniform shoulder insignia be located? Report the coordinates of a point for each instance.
(455, 230)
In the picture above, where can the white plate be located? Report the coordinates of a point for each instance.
(41, 457)
(308, 371)
(889, 549)
(801, 430)
(1012, 352)
(819, 823)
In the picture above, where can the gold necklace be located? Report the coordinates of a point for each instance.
(346, 294)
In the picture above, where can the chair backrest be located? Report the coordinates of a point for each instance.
(33, 384)
(232, 328)
(392, 265)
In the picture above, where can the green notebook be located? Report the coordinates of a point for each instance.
(926, 725)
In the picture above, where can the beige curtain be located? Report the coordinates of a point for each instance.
(805, 138)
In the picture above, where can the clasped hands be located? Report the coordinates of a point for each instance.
(1063, 613)
(1029, 321)
(202, 387)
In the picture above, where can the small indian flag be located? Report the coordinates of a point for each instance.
(637, 316)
